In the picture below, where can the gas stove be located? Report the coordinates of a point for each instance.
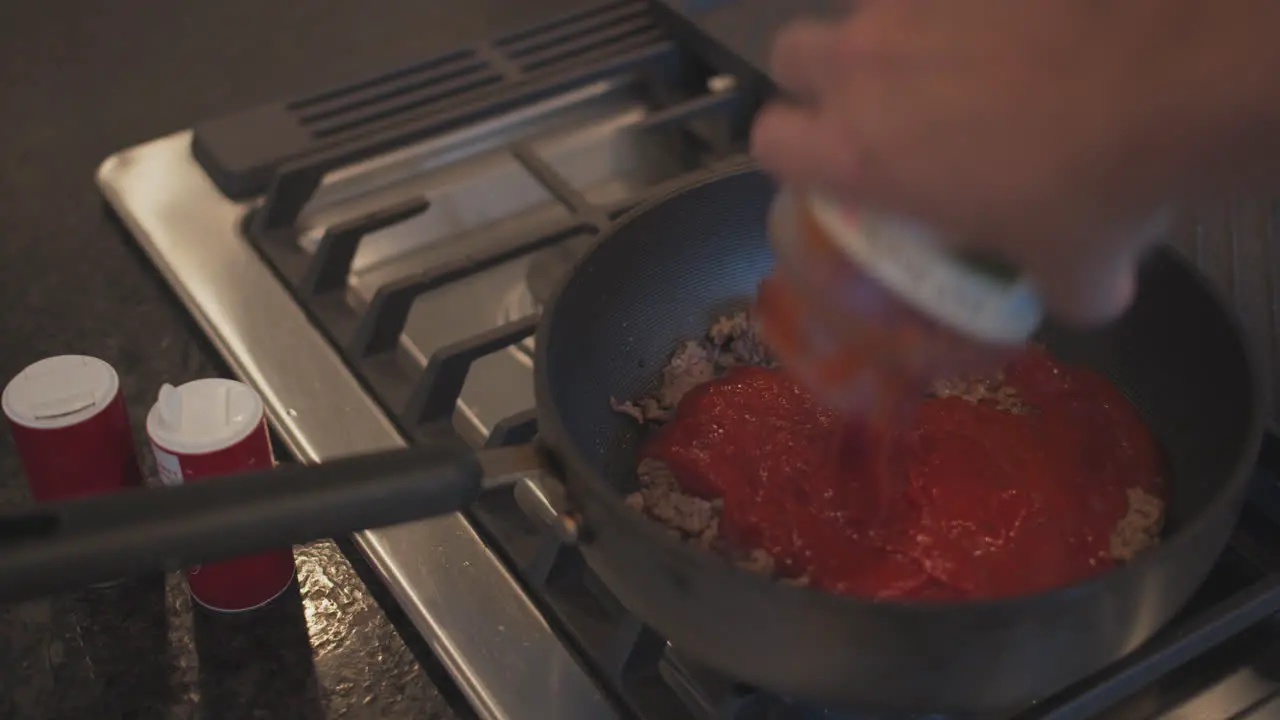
(373, 258)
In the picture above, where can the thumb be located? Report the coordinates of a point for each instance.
(1095, 286)
(1088, 293)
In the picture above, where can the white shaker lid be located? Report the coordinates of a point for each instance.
(60, 391)
(203, 416)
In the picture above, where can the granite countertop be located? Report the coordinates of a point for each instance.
(78, 81)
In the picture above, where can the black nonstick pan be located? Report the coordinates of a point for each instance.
(661, 276)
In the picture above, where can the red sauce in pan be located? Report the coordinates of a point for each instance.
(967, 502)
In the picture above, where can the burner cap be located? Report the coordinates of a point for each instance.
(549, 269)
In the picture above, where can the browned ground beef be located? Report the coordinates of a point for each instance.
(733, 341)
(1140, 527)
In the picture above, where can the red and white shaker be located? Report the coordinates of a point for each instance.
(207, 428)
(71, 429)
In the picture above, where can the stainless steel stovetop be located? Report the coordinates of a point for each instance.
(371, 260)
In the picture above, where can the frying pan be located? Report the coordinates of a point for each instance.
(660, 277)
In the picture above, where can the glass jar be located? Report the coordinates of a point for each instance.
(868, 311)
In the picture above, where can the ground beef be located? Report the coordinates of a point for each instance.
(661, 498)
(1140, 527)
(732, 341)
(982, 390)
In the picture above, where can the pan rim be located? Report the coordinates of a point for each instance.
(580, 473)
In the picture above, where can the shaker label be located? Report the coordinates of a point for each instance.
(169, 467)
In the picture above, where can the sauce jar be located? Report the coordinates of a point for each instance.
(869, 310)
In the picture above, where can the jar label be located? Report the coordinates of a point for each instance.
(912, 263)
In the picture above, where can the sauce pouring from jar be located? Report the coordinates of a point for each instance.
(869, 311)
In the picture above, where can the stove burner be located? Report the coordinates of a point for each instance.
(516, 304)
(546, 272)
(550, 268)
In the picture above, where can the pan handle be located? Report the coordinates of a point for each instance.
(62, 546)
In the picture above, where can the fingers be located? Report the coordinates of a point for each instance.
(801, 62)
(801, 146)
(800, 139)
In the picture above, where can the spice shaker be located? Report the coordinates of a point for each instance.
(208, 428)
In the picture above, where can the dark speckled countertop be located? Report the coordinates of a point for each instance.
(78, 81)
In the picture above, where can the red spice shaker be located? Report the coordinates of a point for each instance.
(70, 428)
(868, 311)
(207, 428)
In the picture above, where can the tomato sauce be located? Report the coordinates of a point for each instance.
(967, 502)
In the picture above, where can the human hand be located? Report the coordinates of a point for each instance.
(1050, 132)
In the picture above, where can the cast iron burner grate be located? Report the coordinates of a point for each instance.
(312, 136)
